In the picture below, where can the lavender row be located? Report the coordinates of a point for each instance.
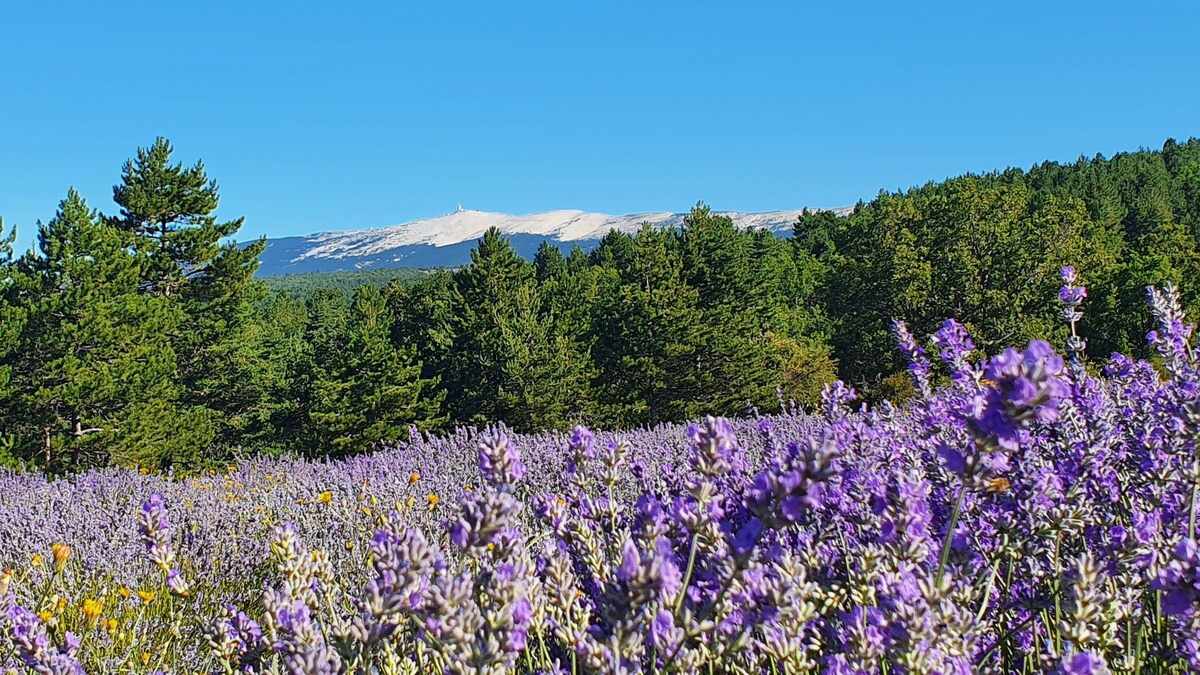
(1025, 513)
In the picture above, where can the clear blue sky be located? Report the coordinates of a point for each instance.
(368, 114)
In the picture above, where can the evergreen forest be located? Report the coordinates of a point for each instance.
(141, 337)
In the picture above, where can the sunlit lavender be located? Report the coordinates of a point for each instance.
(1028, 511)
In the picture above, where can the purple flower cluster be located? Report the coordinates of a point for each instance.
(1026, 389)
(29, 639)
(1029, 516)
(919, 366)
(155, 530)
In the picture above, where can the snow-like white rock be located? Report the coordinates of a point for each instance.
(467, 225)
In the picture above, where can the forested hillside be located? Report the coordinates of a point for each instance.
(987, 248)
(304, 285)
(142, 337)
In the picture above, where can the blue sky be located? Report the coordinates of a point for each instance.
(323, 117)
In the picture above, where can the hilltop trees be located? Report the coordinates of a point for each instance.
(985, 249)
(510, 357)
(649, 327)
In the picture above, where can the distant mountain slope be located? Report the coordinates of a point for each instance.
(446, 241)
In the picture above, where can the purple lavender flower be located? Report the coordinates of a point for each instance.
(177, 584)
(918, 365)
(155, 529)
(580, 450)
(1083, 663)
(836, 398)
(237, 640)
(713, 447)
(499, 460)
(28, 636)
(1072, 297)
(403, 562)
(1179, 579)
(747, 536)
(956, 346)
(1173, 337)
(782, 494)
(482, 518)
(1026, 388)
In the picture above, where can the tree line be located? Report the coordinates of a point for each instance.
(142, 337)
(304, 284)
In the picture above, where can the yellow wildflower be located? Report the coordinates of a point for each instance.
(36, 560)
(233, 469)
(410, 501)
(108, 624)
(143, 470)
(433, 500)
(45, 615)
(125, 592)
(60, 605)
(416, 476)
(467, 487)
(5, 579)
(146, 596)
(325, 497)
(92, 609)
(997, 485)
(61, 553)
(349, 546)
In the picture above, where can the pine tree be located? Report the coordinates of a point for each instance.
(738, 312)
(426, 320)
(370, 391)
(545, 371)
(277, 335)
(647, 328)
(549, 261)
(169, 211)
(93, 365)
(716, 259)
(488, 288)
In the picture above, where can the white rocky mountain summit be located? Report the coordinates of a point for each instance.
(446, 240)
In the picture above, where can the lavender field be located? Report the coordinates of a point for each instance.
(1027, 511)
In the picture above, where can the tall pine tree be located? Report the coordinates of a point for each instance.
(487, 290)
(169, 212)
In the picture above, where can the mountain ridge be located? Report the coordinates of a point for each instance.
(446, 240)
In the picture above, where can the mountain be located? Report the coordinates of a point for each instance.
(446, 241)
